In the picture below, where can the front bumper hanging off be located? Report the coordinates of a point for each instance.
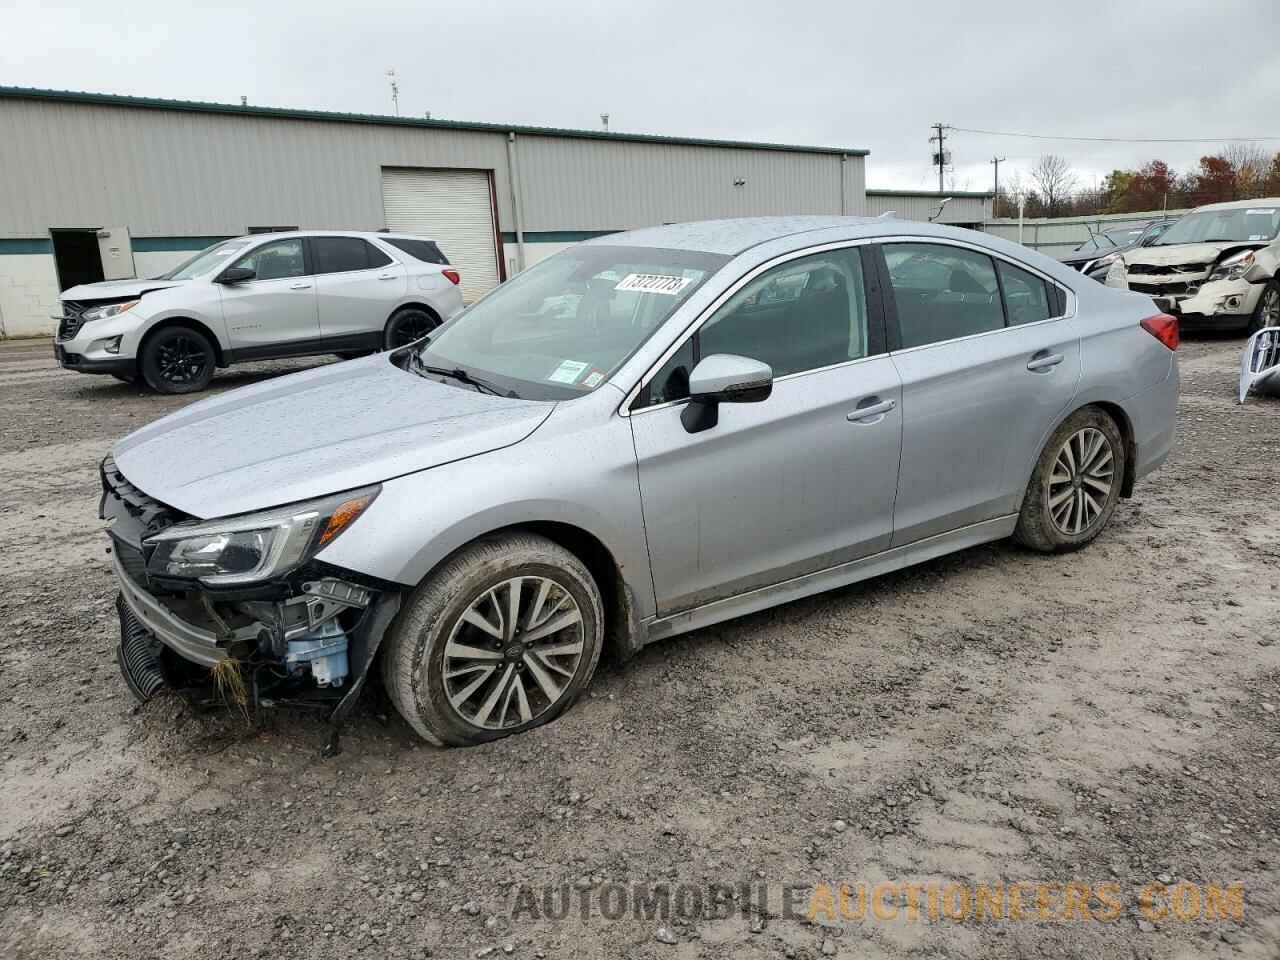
(309, 638)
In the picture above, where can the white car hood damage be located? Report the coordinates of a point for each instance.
(1182, 253)
(111, 289)
(322, 431)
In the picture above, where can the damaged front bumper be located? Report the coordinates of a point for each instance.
(1199, 300)
(308, 637)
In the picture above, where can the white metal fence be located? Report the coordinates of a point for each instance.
(1056, 236)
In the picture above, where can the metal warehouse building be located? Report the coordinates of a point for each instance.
(94, 186)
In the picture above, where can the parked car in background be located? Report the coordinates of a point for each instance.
(259, 297)
(1197, 270)
(1094, 257)
(645, 434)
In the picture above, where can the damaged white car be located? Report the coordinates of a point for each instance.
(1203, 269)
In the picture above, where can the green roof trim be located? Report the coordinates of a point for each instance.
(174, 244)
(931, 194)
(286, 113)
(556, 236)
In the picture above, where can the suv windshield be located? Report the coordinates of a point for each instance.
(207, 260)
(560, 328)
(1240, 225)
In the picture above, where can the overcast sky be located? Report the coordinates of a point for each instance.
(872, 75)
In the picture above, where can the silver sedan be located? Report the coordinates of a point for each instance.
(645, 434)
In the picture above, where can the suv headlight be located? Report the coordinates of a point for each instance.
(255, 546)
(1102, 262)
(110, 310)
(1233, 267)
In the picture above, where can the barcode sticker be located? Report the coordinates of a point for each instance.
(652, 283)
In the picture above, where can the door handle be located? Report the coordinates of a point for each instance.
(872, 411)
(1047, 362)
(386, 276)
(299, 286)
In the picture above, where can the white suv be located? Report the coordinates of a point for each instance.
(255, 298)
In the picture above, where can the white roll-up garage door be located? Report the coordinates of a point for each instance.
(453, 208)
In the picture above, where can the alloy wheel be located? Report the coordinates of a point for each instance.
(1080, 481)
(181, 360)
(409, 328)
(513, 653)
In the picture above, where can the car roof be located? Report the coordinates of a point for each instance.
(734, 236)
(1241, 204)
(366, 234)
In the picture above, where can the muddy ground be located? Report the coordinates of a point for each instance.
(1107, 717)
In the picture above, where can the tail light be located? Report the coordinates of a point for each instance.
(1164, 328)
(455, 278)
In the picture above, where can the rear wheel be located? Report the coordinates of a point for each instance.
(1076, 484)
(178, 360)
(501, 639)
(408, 325)
(1267, 312)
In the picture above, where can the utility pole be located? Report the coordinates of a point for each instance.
(395, 90)
(995, 200)
(604, 121)
(940, 156)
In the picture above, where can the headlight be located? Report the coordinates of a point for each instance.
(110, 310)
(1233, 267)
(256, 546)
(1102, 263)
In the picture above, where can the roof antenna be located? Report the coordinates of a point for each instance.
(938, 212)
(395, 90)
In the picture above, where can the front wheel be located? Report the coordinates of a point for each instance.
(178, 360)
(1075, 486)
(1267, 312)
(501, 639)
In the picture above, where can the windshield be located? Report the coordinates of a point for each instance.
(207, 260)
(1239, 225)
(560, 328)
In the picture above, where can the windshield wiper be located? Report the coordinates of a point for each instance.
(461, 375)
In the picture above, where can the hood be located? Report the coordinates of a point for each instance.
(1181, 253)
(110, 289)
(322, 431)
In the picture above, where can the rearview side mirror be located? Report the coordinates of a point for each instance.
(723, 378)
(237, 274)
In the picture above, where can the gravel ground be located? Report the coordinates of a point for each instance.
(990, 717)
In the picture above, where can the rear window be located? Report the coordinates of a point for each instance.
(424, 250)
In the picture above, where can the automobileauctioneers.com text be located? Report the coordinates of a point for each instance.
(883, 901)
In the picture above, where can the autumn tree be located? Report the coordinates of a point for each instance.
(1215, 181)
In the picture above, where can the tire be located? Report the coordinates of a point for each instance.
(178, 360)
(408, 325)
(1047, 522)
(480, 576)
(1267, 312)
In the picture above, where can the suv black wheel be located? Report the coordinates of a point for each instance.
(178, 360)
(408, 325)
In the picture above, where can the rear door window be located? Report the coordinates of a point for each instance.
(1026, 296)
(344, 254)
(942, 292)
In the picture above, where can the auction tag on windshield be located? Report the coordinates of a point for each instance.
(568, 371)
(1264, 211)
(593, 379)
(652, 283)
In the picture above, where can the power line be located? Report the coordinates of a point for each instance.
(1044, 136)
